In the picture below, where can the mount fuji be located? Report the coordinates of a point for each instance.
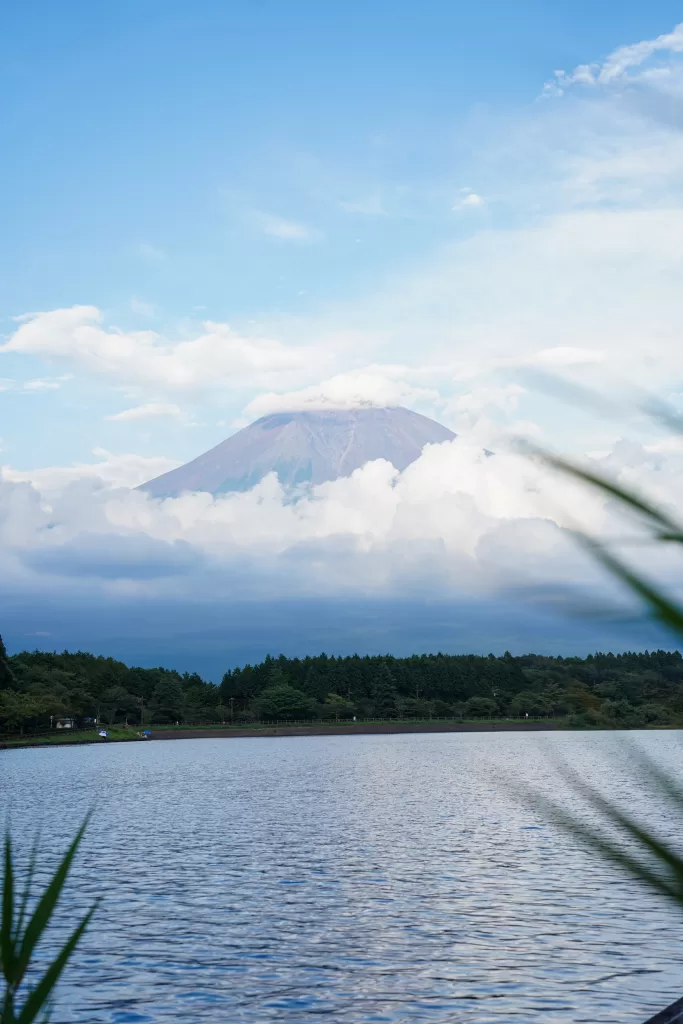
(304, 447)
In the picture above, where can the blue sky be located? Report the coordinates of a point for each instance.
(212, 210)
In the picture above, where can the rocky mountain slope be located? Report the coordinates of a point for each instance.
(304, 447)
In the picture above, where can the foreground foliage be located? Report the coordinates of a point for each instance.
(20, 934)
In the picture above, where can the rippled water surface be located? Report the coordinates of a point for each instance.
(351, 879)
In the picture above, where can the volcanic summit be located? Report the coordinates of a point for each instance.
(304, 447)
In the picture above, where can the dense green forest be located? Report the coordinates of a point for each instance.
(601, 691)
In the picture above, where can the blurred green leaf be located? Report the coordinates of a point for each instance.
(18, 939)
(633, 501)
(43, 912)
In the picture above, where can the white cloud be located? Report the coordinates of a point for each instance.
(125, 470)
(147, 309)
(152, 410)
(505, 398)
(618, 63)
(468, 198)
(373, 385)
(368, 206)
(34, 386)
(43, 384)
(568, 355)
(287, 230)
(151, 252)
(454, 521)
(219, 357)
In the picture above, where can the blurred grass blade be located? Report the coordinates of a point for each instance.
(18, 943)
(662, 607)
(43, 912)
(672, 530)
(647, 841)
(38, 996)
(631, 847)
(7, 954)
(28, 882)
(612, 851)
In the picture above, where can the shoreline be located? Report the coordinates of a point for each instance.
(354, 729)
(267, 731)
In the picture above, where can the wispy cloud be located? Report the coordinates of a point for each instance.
(146, 309)
(618, 63)
(43, 384)
(34, 386)
(284, 229)
(126, 470)
(151, 252)
(367, 206)
(149, 411)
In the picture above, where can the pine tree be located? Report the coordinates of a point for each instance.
(384, 693)
(7, 680)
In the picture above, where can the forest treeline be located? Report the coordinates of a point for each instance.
(628, 690)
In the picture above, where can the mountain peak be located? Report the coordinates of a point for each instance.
(306, 446)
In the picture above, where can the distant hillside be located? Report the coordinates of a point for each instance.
(304, 447)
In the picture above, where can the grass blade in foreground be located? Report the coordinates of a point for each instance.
(18, 942)
(629, 845)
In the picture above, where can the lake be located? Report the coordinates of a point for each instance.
(347, 878)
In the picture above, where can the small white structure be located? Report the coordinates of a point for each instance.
(64, 723)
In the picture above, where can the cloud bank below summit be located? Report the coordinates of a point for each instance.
(453, 522)
(339, 569)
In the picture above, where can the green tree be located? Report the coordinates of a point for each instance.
(337, 707)
(441, 709)
(528, 703)
(384, 693)
(7, 680)
(412, 708)
(168, 702)
(16, 709)
(115, 700)
(480, 707)
(285, 703)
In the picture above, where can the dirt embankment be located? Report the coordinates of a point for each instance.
(357, 729)
(360, 728)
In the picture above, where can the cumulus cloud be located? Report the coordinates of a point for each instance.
(454, 522)
(217, 357)
(378, 386)
(468, 198)
(151, 410)
(110, 470)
